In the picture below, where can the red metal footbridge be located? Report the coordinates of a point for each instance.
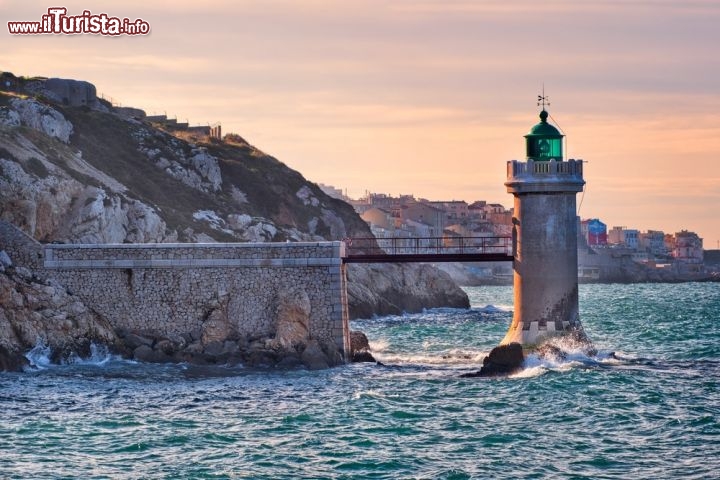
(428, 249)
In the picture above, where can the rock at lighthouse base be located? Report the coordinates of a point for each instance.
(502, 360)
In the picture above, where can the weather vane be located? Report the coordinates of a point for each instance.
(543, 99)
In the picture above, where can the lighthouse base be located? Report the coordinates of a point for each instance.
(535, 333)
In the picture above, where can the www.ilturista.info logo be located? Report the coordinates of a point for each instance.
(58, 22)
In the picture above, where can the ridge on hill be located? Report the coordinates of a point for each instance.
(75, 169)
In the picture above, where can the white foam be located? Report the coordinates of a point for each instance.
(530, 372)
(39, 356)
(453, 357)
(379, 345)
(368, 394)
(495, 309)
(99, 356)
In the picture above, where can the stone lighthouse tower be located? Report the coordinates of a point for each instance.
(545, 259)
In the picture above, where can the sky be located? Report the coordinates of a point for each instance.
(427, 97)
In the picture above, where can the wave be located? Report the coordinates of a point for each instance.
(40, 357)
(490, 309)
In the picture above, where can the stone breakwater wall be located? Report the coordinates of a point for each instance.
(211, 292)
(21, 248)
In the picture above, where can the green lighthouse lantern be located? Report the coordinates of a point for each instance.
(544, 142)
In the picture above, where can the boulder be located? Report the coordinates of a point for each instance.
(43, 118)
(313, 356)
(143, 353)
(293, 317)
(358, 341)
(9, 118)
(5, 259)
(363, 356)
(360, 347)
(216, 327)
(133, 341)
(503, 360)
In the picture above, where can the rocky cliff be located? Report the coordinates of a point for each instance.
(84, 172)
(36, 311)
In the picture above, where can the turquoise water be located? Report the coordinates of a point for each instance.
(652, 410)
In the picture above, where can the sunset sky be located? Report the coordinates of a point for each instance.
(429, 97)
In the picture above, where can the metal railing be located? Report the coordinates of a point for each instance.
(516, 168)
(370, 246)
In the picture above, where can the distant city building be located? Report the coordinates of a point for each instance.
(417, 217)
(416, 213)
(594, 232)
(379, 218)
(626, 237)
(333, 191)
(653, 242)
(476, 210)
(688, 247)
(454, 209)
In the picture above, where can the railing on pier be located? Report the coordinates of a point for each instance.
(428, 249)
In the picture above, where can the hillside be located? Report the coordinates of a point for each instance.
(75, 169)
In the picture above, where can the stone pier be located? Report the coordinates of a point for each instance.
(216, 290)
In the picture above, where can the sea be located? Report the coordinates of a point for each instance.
(647, 406)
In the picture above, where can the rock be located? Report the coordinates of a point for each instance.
(334, 224)
(133, 341)
(307, 197)
(48, 203)
(391, 289)
(32, 311)
(9, 118)
(358, 341)
(260, 358)
(5, 259)
(24, 273)
(216, 327)
(195, 335)
(313, 357)
(43, 118)
(143, 353)
(214, 348)
(292, 317)
(165, 346)
(503, 360)
(238, 221)
(363, 356)
(194, 348)
(207, 166)
(333, 355)
(360, 347)
(11, 361)
(230, 348)
(549, 351)
(290, 360)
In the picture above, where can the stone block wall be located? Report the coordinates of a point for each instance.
(208, 291)
(22, 249)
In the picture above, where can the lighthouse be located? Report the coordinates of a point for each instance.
(545, 271)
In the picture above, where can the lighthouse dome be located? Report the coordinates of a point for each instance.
(544, 142)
